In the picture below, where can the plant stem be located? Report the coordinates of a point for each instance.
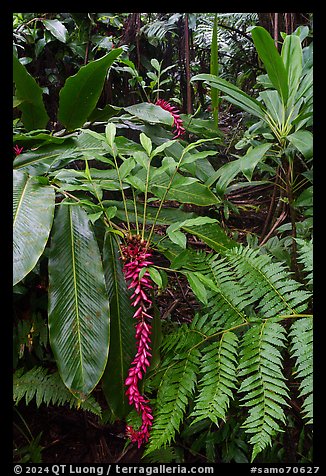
(121, 186)
(136, 212)
(145, 200)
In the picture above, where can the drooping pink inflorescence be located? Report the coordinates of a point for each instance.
(137, 257)
(177, 121)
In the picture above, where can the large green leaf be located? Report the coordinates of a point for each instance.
(303, 141)
(34, 115)
(81, 92)
(122, 338)
(234, 94)
(213, 235)
(272, 60)
(33, 208)
(150, 113)
(53, 156)
(184, 191)
(78, 302)
(253, 156)
(58, 30)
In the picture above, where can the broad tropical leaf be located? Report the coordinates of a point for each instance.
(78, 303)
(34, 115)
(33, 209)
(150, 113)
(80, 94)
(122, 340)
(58, 30)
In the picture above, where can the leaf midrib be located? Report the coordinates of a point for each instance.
(75, 291)
(20, 201)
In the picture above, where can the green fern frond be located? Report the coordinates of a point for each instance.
(219, 366)
(305, 257)
(231, 297)
(269, 283)
(49, 389)
(301, 335)
(176, 388)
(264, 384)
(163, 455)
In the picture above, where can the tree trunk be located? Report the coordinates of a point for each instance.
(187, 57)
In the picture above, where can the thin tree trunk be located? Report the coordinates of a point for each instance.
(276, 29)
(187, 57)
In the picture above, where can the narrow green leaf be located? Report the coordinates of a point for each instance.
(79, 95)
(272, 60)
(122, 340)
(234, 94)
(155, 276)
(30, 95)
(197, 286)
(110, 133)
(292, 58)
(78, 304)
(146, 143)
(33, 209)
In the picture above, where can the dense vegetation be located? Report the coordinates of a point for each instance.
(162, 235)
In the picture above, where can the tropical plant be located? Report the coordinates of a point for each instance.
(234, 348)
(284, 110)
(90, 203)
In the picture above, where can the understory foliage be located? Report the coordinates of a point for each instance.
(114, 192)
(235, 348)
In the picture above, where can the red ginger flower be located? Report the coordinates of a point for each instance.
(177, 121)
(136, 257)
(18, 150)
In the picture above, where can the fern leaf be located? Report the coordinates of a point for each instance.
(177, 387)
(49, 389)
(268, 282)
(305, 257)
(218, 382)
(264, 383)
(301, 335)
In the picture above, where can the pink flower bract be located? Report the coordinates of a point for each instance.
(177, 121)
(137, 257)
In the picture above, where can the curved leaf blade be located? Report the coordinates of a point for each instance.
(272, 60)
(234, 94)
(80, 94)
(33, 209)
(78, 308)
(34, 115)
